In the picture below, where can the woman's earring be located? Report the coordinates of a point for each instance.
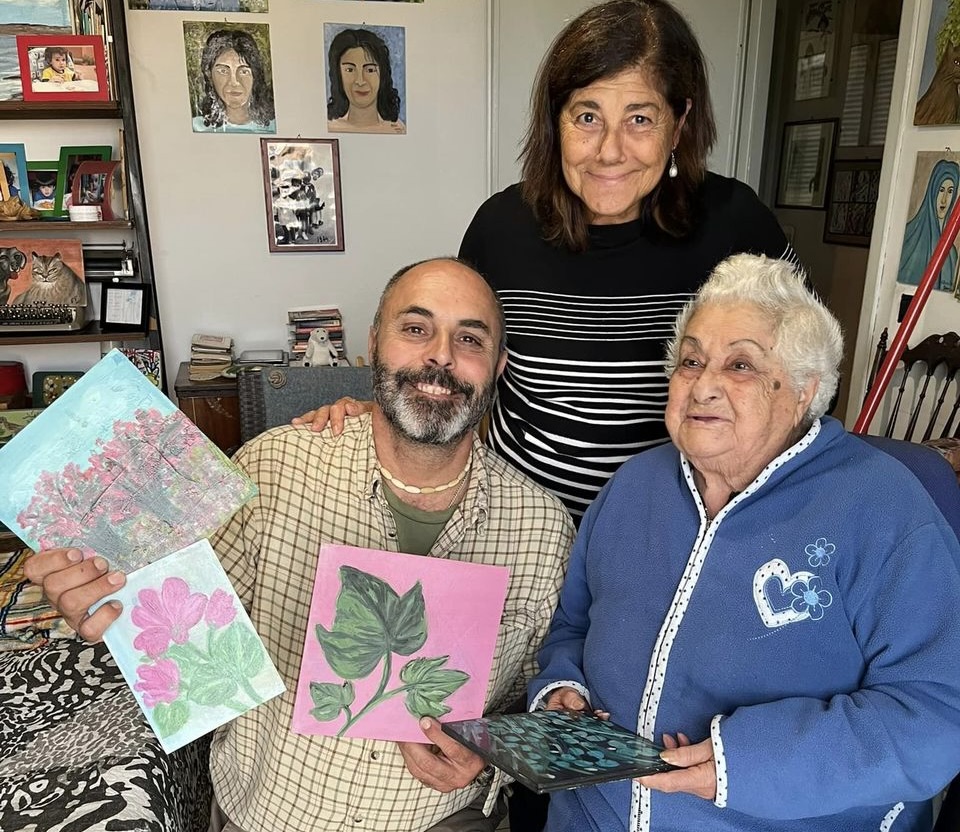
(673, 170)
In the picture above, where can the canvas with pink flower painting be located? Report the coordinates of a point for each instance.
(187, 648)
(394, 637)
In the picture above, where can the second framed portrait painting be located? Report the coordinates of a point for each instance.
(301, 189)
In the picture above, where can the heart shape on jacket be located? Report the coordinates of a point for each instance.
(772, 584)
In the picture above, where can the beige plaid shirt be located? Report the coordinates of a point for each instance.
(315, 488)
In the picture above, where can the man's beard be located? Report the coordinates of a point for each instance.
(421, 419)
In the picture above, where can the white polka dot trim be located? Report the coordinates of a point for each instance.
(887, 823)
(537, 703)
(720, 762)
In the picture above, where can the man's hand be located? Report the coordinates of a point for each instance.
(72, 585)
(698, 774)
(445, 765)
(335, 414)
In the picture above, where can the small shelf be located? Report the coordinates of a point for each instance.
(56, 225)
(90, 334)
(59, 109)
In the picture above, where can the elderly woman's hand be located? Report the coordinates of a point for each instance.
(72, 585)
(698, 774)
(333, 414)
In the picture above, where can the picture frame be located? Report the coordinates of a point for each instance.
(301, 189)
(13, 157)
(63, 68)
(95, 184)
(816, 49)
(852, 202)
(124, 307)
(70, 158)
(805, 156)
(40, 177)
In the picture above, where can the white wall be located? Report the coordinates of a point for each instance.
(404, 197)
(903, 142)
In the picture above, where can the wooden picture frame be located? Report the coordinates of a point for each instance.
(78, 74)
(124, 307)
(852, 202)
(40, 176)
(70, 158)
(301, 190)
(805, 156)
(13, 182)
(95, 184)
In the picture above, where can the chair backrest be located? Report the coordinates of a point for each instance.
(271, 396)
(930, 367)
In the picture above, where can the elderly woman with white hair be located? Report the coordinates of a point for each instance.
(774, 588)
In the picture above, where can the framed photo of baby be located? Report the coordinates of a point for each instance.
(62, 68)
(366, 78)
(301, 189)
(230, 76)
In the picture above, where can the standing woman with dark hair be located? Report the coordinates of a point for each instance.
(614, 227)
(237, 90)
(363, 98)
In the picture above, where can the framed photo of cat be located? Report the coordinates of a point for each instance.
(51, 272)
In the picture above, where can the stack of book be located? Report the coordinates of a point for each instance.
(303, 320)
(210, 355)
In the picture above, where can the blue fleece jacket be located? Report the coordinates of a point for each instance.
(811, 629)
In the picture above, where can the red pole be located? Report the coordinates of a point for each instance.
(930, 276)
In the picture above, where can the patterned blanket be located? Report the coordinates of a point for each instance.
(76, 754)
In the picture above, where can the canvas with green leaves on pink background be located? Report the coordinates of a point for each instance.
(393, 637)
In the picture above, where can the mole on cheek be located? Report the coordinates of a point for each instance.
(776, 384)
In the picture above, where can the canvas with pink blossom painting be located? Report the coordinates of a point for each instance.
(187, 648)
(113, 468)
(394, 637)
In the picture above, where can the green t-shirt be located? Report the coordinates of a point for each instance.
(417, 530)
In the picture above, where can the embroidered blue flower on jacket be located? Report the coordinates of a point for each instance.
(808, 597)
(818, 554)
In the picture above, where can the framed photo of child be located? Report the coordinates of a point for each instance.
(70, 158)
(42, 185)
(95, 184)
(62, 68)
(13, 182)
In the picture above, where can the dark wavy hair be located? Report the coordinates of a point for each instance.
(607, 39)
(388, 99)
(261, 94)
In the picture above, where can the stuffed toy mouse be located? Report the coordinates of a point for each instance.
(320, 352)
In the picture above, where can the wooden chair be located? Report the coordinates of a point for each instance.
(935, 359)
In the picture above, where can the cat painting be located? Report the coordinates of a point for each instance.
(53, 282)
(12, 260)
(940, 104)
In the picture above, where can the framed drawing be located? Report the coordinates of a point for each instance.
(95, 184)
(42, 184)
(852, 202)
(62, 68)
(301, 190)
(70, 158)
(805, 163)
(816, 47)
(13, 183)
(124, 306)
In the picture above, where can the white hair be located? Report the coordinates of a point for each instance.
(808, 338)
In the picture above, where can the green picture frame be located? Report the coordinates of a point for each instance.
(38, 175)
(70, 157)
